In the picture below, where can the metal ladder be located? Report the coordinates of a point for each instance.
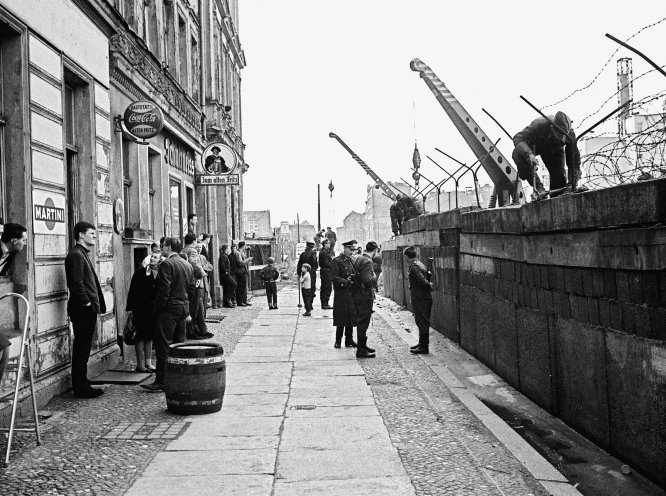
(25, 349)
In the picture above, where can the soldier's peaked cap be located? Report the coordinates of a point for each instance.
(349, 243)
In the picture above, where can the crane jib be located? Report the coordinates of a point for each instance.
(387, 189)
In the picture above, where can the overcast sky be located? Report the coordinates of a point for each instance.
(315, 67)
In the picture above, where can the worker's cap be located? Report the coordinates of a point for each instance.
(309, 242)
(371, 246)
(562, 120)
(353, 242)
(271, 260)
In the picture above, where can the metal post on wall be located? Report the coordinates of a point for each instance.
(318, 207)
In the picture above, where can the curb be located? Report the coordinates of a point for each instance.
(548, 476)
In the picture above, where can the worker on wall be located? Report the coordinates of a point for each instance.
(555, 149)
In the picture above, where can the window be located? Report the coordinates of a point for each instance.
(176, 210)
(253, 226)
(154, 159)
(150, 25)
(182, 53)
(196, 80)
(189, 198)
(128, 13)
(127, 181)
(169, 36)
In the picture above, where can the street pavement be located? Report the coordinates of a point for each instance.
(299, 417)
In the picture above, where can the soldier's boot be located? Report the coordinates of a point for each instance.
(349, 338)
(338, 336)
(362, 350)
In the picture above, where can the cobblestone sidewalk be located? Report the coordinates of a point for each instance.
(99, 447)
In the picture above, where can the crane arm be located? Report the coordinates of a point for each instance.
(385, 187)
(501, 172)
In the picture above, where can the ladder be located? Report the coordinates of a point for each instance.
(23, 362)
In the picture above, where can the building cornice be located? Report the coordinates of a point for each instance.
(96, 13)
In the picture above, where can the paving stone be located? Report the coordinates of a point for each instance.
(385, 486)
(220, 462)
(205, 485)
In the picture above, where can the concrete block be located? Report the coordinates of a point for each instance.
(503, 321)
(449, 237)
(628, 318)
(534, 353)
(579, 310)
(565, 305)
(615, 314)
(597, 283)
(604, 312)
(468, 311)
(577, 282)
(451, 218)
(658, 322)
(493, 220)
(593, 311)
(586, 280)
(444, 316)
(568, 280)
(651, 287)
(628, 204)
(643, 322)
(545, 282)
(581, 380)
(559, 278)
(637, 401)
(610, 284)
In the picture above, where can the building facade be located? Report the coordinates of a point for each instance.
(377, 215)
(69, 70)
(353, 227)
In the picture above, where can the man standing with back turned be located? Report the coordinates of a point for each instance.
(420, 290)
(85, 303)
(174, 288)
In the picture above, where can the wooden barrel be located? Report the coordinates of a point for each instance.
(195, 378)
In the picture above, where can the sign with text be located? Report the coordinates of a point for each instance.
(143, 119)
(221, 180)
(49, 213)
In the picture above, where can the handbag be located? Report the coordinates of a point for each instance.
(129, 332)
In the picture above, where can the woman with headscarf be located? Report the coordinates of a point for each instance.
(139, 300)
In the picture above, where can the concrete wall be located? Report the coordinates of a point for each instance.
(566, 300)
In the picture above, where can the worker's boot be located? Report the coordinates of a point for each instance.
(362, 351)
(338, 336)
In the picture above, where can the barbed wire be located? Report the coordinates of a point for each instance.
(633, 156)
(594, 80)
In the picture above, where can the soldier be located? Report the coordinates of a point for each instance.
(396, 215)
(309, 256)
(330, 235)
(363, 294)
(420, 290)
(325, 261)
(344, 310)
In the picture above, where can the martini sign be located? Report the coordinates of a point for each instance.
(143, 119)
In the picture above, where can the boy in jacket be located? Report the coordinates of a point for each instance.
(269, 275)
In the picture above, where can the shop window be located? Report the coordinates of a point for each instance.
(175, 209)
(182, 53)
(189, 197)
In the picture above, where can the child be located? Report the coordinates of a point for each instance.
(306, 283)
(269, 275)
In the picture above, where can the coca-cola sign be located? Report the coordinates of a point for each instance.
(143, 119)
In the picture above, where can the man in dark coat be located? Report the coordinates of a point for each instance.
(85, 303)
(12, 241)
(554, 147)
(240, 269)
(325, 261)
(174, 288)
(227, 280)
(344, 310)
(309, 256)
(363, 294)
(420, 291)
(395, 211)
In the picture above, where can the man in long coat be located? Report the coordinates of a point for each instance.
(363, 295)
(344, 310)
(325, 261)
(309, 256)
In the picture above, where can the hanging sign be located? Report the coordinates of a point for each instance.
(118, 216)
(143, 119)
(218, 161)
